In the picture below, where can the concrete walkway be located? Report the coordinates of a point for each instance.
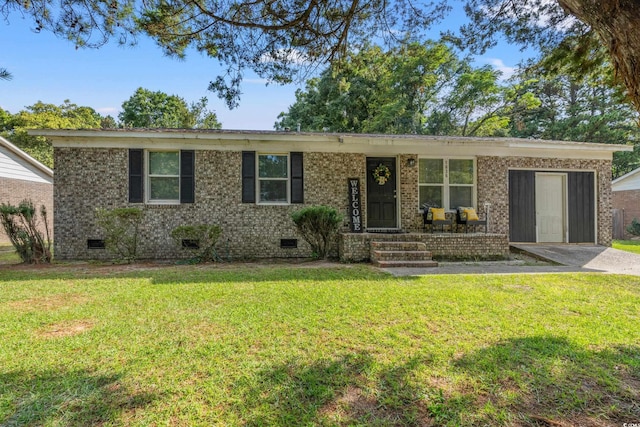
(587, 257)
(558, 258)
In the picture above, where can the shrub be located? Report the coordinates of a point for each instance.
(203, 238)
(634, 227)
(318, 226)
(20, 223)
(121, 227)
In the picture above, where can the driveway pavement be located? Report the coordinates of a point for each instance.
(554, 259)
(588, 257)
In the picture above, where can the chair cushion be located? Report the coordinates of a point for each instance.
(471, 214)
(438, 214)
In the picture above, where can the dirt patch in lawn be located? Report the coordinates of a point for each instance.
(353, 404)
(66, 329)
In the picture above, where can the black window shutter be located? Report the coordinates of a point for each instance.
(248, 177)
(136, 176)
(297, 178)
(581, 207)
(187, 176)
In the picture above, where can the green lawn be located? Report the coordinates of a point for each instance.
(627, 245)
(8, 255)
(288, 346)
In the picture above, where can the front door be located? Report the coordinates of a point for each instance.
(381, 192)
(550, 207)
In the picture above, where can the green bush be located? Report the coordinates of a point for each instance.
(203, 238)
(20, 224)
(634, 227)
(318, 226)
(121, 227)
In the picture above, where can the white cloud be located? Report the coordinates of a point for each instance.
(292, 56)
(107, 110)
(499, 65)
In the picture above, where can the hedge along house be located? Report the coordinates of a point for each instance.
(24, 178)
(249, 182)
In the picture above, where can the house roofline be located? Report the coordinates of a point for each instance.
(625, 176)
(26, 157)
(242, 137)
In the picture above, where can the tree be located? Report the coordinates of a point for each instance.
(283, 40)
(108, 122)
(413, 89)
(474, 105)
(579, 106)
(147, 109)
(5, 75)
(372, 91)
(5, 120)
(45, 116)
(617, 24)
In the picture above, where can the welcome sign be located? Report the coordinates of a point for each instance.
(355, 213)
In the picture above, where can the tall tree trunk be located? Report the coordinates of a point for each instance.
(617, 23)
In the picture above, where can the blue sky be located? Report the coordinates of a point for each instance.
(51, 70)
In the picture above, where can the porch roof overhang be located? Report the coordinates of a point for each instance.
(274, 141)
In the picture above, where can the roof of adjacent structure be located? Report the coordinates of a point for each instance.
(629, 181)
(19, 160)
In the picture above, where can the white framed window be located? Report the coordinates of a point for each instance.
(273, 178)
(163, 177)
(447, 182)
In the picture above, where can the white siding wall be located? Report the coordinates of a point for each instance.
(629, 182)
(13, 167)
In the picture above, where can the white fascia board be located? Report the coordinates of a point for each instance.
(388, 145)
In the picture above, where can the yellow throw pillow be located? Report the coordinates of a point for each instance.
(471, 214)
(438, 214)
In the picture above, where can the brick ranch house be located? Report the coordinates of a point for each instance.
(249, 183)
(24, 178)
(626, 198)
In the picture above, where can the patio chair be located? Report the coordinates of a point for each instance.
(433, 216)
(468, 217)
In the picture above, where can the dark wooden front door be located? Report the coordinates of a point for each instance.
(381, 197)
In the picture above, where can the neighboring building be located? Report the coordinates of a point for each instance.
(249, 182)
(24, 178)
(625, 196)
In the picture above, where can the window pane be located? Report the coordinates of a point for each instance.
(460, 171)
(460, 196)
(431, 171)
(164, 163)
(273, 191)
(164, 188)
(431, 195)
(271, 166)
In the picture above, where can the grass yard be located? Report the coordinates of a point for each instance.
(257, 345)
(8, 254)
(627, 245)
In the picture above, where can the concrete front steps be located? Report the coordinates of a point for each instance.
(401, 254)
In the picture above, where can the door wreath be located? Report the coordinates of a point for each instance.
(381, 174)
